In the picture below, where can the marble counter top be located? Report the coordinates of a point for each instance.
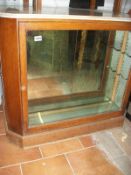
(60, 13)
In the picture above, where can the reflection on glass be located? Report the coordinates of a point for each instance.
(68, 75)
(63, 62)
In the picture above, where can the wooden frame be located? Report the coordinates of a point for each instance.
(10, 67)
(37, 5)
(117, 6)
(25, 3)
(14, 73)
(53, 25)
(12, 36)
(14, 59)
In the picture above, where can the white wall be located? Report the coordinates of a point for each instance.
(2, 2)
(126, 6)
(11, 2)
(57, 3)
(65, 3)
(108, 5)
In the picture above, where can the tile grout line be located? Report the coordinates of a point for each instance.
(117, 166)
(85, 135)
(49, 143)
(18, 164)
(69, 164)
(65, 139)
(41, 152)
(106, 152)
(80, 143)
(21, 169)
(30, 161)
(47, 157)
(8, 166)
(102, 148)
(68, 152)
(62, 140)
(109, 157)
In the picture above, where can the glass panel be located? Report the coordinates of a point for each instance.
(60, 62)
(70, 75)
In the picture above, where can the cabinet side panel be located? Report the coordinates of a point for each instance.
(0, 41)
(11, 74)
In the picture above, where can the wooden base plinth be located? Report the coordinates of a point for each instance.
(36, 139)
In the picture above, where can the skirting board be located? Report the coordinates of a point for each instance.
(51, 136)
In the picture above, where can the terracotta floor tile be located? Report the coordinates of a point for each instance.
(105, 140)
(2, 128)
(91, 161)
(12, 154)
(87, 141)
(60, 147)
(69, 132)
(124, 164)
(52, 166)
(44, 87)
(41, 94)
(53, 83)
(10, 171)
(37, 84)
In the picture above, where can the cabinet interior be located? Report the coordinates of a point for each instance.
(75, 73)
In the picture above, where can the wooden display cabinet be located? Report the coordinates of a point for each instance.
(36, 115)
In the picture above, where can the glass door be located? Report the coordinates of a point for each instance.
(74, 73)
